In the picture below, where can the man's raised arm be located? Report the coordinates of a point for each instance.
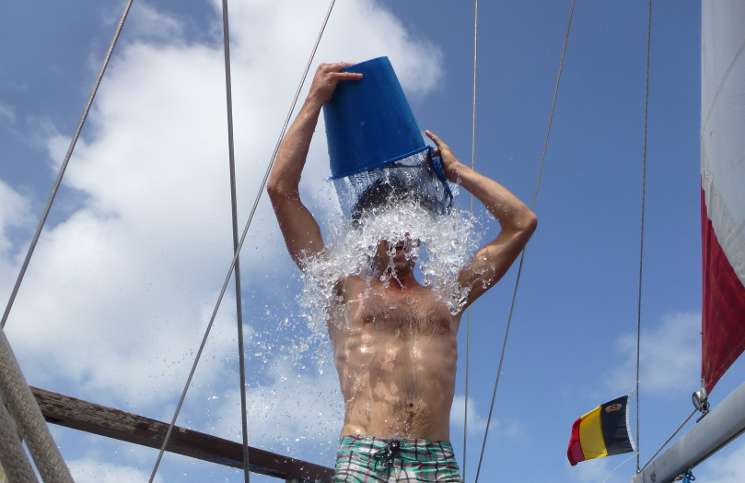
(518, 223)
(300, 230)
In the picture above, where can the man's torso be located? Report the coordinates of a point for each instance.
(396, 356)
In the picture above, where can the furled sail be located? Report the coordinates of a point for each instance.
(723, 185)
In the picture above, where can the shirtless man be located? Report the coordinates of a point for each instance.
(396, 348)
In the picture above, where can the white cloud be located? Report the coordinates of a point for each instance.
(89, 470)
(7, 114)
(477, 422)
(670, 356)
(290, 412)
(724, 469)
(118, 293)
(358, 30)
(146, 22)
(457, 414)
(14, 212)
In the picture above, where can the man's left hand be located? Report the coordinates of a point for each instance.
(449, 161)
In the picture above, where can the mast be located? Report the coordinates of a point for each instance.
(722, 425)
(723, 238)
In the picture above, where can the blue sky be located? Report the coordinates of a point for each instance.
(139, 239)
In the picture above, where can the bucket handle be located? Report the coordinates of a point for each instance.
(439, 169)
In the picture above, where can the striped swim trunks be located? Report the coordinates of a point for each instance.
(362, 459)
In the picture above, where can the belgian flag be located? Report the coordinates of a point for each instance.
(601, 432)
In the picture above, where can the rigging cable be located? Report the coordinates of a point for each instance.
(63, 166)
(473, 164)
(641, 227)
(534, 200)
(667, 441)
(234, 217)
(240, 244)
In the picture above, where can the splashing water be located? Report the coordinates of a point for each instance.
(445, 243)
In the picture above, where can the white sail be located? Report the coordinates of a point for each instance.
(723, 185)
(723, 124)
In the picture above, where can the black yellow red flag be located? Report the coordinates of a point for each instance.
(601, 432)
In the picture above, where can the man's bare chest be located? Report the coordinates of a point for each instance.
(411, 312)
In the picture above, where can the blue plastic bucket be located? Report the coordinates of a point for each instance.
(373, 138)
(369, 122)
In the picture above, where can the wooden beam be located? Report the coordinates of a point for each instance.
(117, 424)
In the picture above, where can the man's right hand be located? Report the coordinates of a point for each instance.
(300, 230)
(325, 81)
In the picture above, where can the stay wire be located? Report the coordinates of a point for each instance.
(534, 200)
(473, 165)
(63, 167)
(667, 441)
(645, 137)
(240, 244)
(234, 216)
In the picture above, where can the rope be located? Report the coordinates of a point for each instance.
(63, 166)
(23, 407)
(688, 477)
(534, 200)
(667, 441)
(641, 227)
(473, 164)
(240, 245)
(234, 216)
(13, 459)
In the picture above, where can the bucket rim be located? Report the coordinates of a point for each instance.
(368, 61)
(379, 165)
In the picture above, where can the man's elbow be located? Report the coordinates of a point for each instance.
(276, 189)
(272, 188)
(528, 222)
